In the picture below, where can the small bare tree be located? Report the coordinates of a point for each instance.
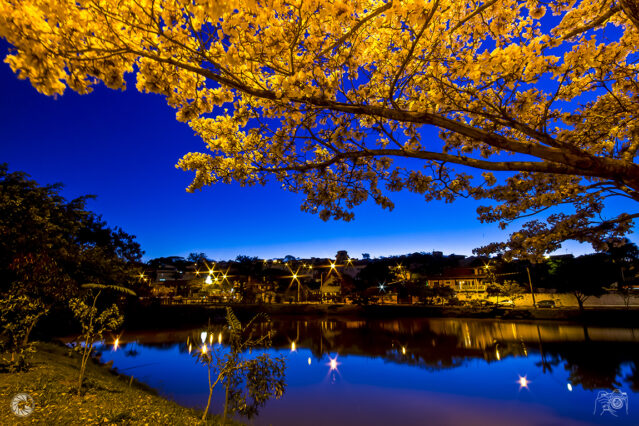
(94, 323)
(248, 383)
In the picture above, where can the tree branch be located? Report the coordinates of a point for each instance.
(473, 14)
(512, 166)
(600, 20)
(357, 26)
(600, 167)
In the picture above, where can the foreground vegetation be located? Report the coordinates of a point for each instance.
(59, 257)
(109, 398)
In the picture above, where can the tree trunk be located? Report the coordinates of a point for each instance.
(85, 357)
(208, 403)
(226, 403)
(28, 333)
(580, 301)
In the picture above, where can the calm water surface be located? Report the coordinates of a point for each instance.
(417, 372)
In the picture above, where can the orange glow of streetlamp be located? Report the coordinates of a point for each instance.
(332, 268)
(295, 277)
(116, 343)
(225, 276)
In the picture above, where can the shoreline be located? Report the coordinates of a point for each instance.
(110, 397)
(176, 315)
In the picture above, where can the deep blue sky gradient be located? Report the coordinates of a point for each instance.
(122, 147)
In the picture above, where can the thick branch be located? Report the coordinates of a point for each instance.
(631, 9)
(510, 166)
(587, 166)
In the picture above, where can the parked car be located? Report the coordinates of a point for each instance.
(479, 303)
(506, 302)
(546, 304)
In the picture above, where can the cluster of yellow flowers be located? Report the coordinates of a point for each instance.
(324, 95)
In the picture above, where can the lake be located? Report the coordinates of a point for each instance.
(415, 371)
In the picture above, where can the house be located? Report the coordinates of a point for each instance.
(331, 288)
(461, 279)
(335, 287)
(166, 273)
(259, 291)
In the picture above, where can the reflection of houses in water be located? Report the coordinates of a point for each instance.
(592, 355)
(483, 332)
(461, 279)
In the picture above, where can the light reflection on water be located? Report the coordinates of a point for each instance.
(413, 371)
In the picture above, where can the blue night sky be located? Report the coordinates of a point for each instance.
(122, 147)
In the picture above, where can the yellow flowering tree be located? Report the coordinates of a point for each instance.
(334, 98)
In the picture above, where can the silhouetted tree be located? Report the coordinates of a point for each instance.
(49, 246)
(198, 258)
(583, 276)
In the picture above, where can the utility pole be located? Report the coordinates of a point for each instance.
(531, 288)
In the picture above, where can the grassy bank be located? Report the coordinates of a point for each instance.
(109, 398)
